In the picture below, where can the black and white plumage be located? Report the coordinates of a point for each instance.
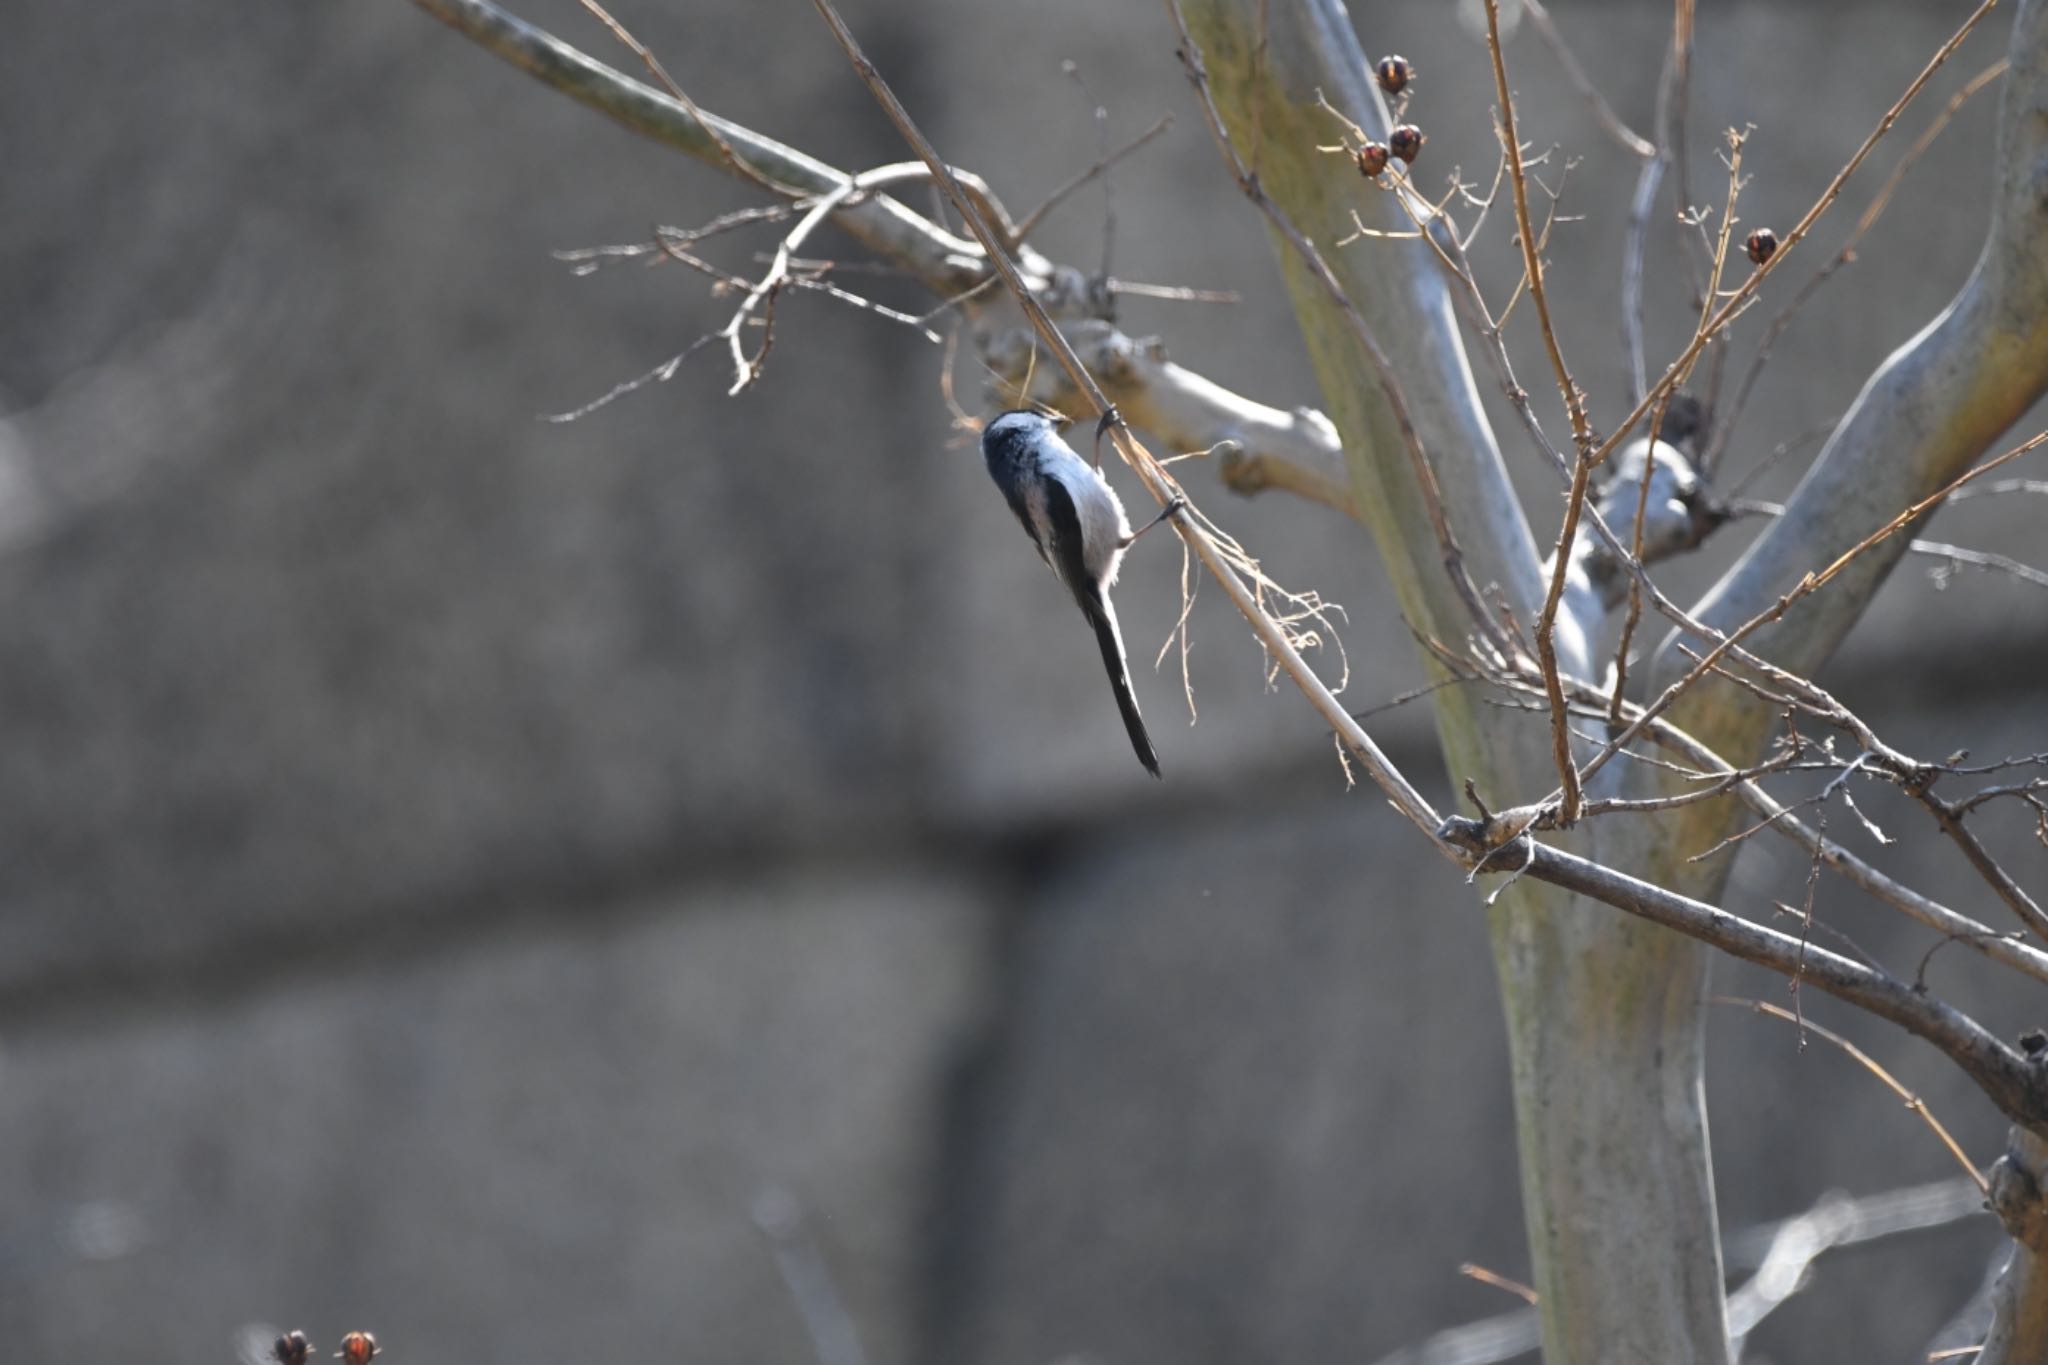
(1074, 518)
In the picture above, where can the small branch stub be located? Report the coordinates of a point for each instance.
(2019, 1201)
(2019, 1179)
(2019, 1196)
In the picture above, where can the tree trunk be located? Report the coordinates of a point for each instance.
(1604, 1013)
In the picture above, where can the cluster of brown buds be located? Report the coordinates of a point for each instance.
(293, 1348)
(1405, 142)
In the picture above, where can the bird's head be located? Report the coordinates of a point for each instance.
(1025, 422)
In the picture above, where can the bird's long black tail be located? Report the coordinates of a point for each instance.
(1102, 616)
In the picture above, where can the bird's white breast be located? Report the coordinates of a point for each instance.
(1103, 524)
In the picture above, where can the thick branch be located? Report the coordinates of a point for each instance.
(2006, 948)
(2011, 951)
(1295, 451)
(2006, 1078)
(1601, 1008)
(1265, 66)
(1670, 129)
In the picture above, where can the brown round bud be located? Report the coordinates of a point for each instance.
(291, 1349)
(1762, 245)
(1405, 142)
(1394, 74)
(357, 1348)
(1372, 159)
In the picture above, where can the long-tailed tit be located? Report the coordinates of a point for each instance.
(1075, 520)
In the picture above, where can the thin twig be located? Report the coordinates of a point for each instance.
(2001, 486)
(1980, 559)
(1635, 245)
(2006, 948)
(1739, 301)
(1635, 588)
(943, 262)
(1603, 112)
(1674, 132)
(762, 294)
(1930, 549)
(660, 374)
(1719, 260)
(1575, 409)
(1172, 293)
(1473, 1271)
(2016, 898)
(1870, 1064)
(1053, 200)
(745, 170)
(1724, 428)
(1810, 584)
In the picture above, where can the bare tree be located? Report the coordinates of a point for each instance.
(1605, 1009)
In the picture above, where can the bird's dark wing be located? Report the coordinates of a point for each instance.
(1062, 545)
(1063, 551)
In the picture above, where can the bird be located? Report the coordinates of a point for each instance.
(1075, 520)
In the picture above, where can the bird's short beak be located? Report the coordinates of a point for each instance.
(1060, 421)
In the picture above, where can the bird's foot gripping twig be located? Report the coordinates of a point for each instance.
(1174, 505)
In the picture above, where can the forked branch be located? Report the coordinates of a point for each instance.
(2007, 1078)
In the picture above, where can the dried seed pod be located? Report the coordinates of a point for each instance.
(1405, 142)
(1394, 74)
(357, 1348)
(1762, 245)
(291, 1349)
(1372, 159)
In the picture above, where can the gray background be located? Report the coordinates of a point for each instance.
(451, 865)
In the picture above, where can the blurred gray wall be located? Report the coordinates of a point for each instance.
(454, 866)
